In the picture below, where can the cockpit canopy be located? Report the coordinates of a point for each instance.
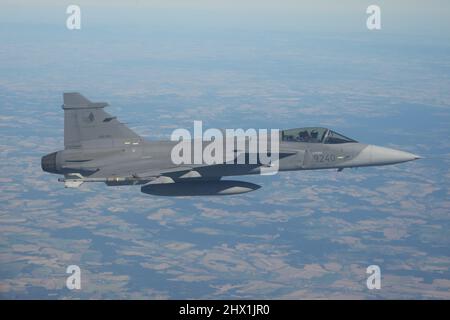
(314, 135)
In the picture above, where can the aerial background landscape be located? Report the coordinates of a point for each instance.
(232, 64)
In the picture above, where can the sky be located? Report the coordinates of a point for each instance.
(232, 64)
(407, 17)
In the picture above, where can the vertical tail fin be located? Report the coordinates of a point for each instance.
(87, 125)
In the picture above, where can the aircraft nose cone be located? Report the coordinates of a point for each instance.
(382, 155)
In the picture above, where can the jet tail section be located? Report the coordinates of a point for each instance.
(87, 125)
(74, 100)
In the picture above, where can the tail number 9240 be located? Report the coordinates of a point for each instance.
(321, 157)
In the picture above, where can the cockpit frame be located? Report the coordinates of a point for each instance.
(314, 135)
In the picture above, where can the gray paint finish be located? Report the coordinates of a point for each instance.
(98, 148)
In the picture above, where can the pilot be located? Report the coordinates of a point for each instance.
(303, 136)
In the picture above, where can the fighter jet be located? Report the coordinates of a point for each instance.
(99, 148)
